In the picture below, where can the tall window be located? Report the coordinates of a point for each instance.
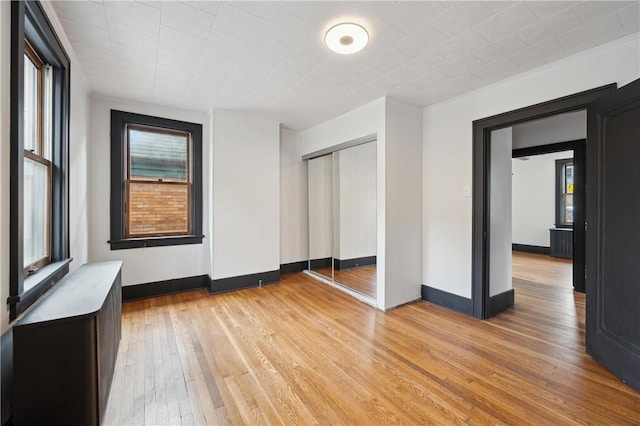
(39, 133)
(564, 192)
(156, 182)
(37, 161)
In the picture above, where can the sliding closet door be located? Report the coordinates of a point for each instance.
(354, 218)
(343, 217)
(321, 216)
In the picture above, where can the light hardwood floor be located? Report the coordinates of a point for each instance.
(542, 269)
(362, 280)
(303, 352)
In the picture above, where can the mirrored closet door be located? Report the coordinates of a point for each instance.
(321, 216)
(343, 219)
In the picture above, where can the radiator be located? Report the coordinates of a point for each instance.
(561, 242)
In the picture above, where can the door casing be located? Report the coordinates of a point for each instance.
(482, 129)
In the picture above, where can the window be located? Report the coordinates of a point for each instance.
(157, 189)
(39, 127)
(564, 193)
(37, 165)
(156, 181)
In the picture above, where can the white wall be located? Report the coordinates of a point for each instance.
(403, 206)
(141, 265)
(534, 198)
(320, 207)
(447, 149)
(566, 127)
(294, 241)
(362, 121)
(78, 160)
(357, 202)
(500, 211)
(78, 137)
(246, 195)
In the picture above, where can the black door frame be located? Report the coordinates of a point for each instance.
(482, 129)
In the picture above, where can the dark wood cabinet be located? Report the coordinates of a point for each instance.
(65, 349)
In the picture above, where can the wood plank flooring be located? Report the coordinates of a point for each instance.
(302, 352)
(543, 269)
(362, 280)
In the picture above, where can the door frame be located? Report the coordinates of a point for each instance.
(482, 129)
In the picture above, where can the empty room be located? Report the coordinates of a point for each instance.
(319, 212)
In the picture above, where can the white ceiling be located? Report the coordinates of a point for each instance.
(269, 59)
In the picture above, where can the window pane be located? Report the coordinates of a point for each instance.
(568, 209)
(47, 112)
(158, 155)
(30, 105)
(36, 207)
(568, 179)
(158, 208)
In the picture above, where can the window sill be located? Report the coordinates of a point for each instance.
(155, 242)
(36, 285)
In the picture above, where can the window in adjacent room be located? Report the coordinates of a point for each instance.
(156, 184)
(39, 138)
(564, 192)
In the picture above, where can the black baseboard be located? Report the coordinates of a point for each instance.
(530, 249)
(500, 302)
(320, 263)
(6, 372)
(224, 285)
(344, 264)
(447, 300)
(294, 267)
(162, 288)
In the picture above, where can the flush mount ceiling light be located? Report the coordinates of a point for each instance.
(346, 38)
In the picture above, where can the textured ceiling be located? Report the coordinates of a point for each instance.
(269, 59)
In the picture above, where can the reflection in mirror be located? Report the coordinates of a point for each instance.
(320, 216)
(354, 213)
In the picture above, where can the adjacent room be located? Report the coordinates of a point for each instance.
(543, 189)
(304, 212)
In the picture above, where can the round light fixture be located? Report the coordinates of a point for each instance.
(346, 38)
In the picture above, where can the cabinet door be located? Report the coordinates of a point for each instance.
(54, 371)
(117, 306)
(107, 350)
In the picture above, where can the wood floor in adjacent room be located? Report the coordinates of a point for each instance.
(542, 269)
(303, 352)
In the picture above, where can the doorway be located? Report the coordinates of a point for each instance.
(548, 193)
(483, 306)
(543, 189)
